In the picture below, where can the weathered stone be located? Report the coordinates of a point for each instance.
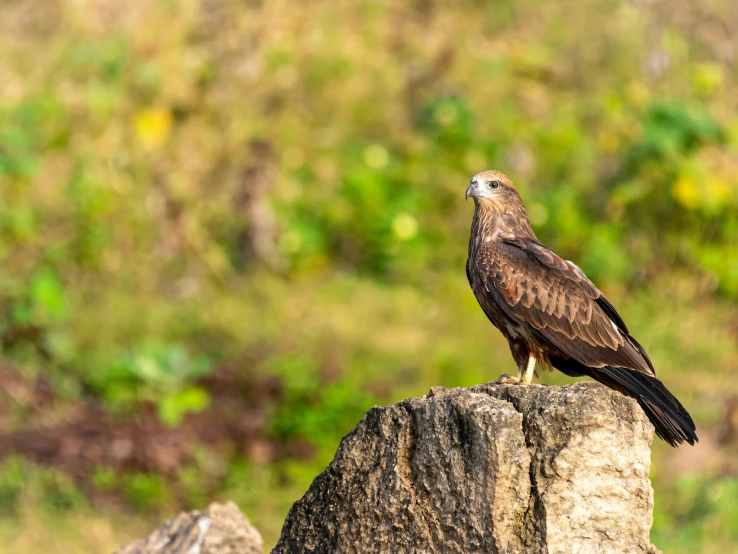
(221, 529)
(495, 468)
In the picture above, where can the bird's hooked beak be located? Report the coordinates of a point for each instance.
(473, 190)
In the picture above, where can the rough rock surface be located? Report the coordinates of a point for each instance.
(494, 468)
(221, 529)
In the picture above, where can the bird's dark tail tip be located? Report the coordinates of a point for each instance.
(672, 422)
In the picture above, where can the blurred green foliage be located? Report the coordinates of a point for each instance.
(146, 492)
(701, 511)
(187, 185)
(159, 373)
(21, 482)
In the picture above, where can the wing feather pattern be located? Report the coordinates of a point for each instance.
(534, 285)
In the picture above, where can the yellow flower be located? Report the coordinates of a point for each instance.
(707, 78)
(153, 126)
(376, 157)
(404, 226)
(685, 192)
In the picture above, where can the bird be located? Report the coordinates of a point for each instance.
(552, 315)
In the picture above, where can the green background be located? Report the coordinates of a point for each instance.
(228, 228)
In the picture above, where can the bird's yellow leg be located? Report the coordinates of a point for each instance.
(524, 376)
(527, 377)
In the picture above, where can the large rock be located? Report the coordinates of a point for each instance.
(221, 529)
(495, 468)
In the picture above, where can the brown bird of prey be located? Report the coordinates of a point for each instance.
(551, 314)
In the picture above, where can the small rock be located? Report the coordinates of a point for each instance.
(221, 529)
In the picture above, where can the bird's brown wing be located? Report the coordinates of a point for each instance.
(532, 284)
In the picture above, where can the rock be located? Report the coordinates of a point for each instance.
(493, 469)
(221, 529)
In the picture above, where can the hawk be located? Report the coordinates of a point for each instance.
(551, 314)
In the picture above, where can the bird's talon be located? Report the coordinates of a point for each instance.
(506, 379)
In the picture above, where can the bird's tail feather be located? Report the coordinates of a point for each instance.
(672, 422)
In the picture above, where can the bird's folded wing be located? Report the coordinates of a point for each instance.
(531, 283)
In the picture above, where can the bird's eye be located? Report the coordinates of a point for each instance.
(493, 184)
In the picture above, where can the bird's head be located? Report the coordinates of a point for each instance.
(491, 188)
(498, 206)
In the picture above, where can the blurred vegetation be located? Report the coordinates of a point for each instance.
(272, 191)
